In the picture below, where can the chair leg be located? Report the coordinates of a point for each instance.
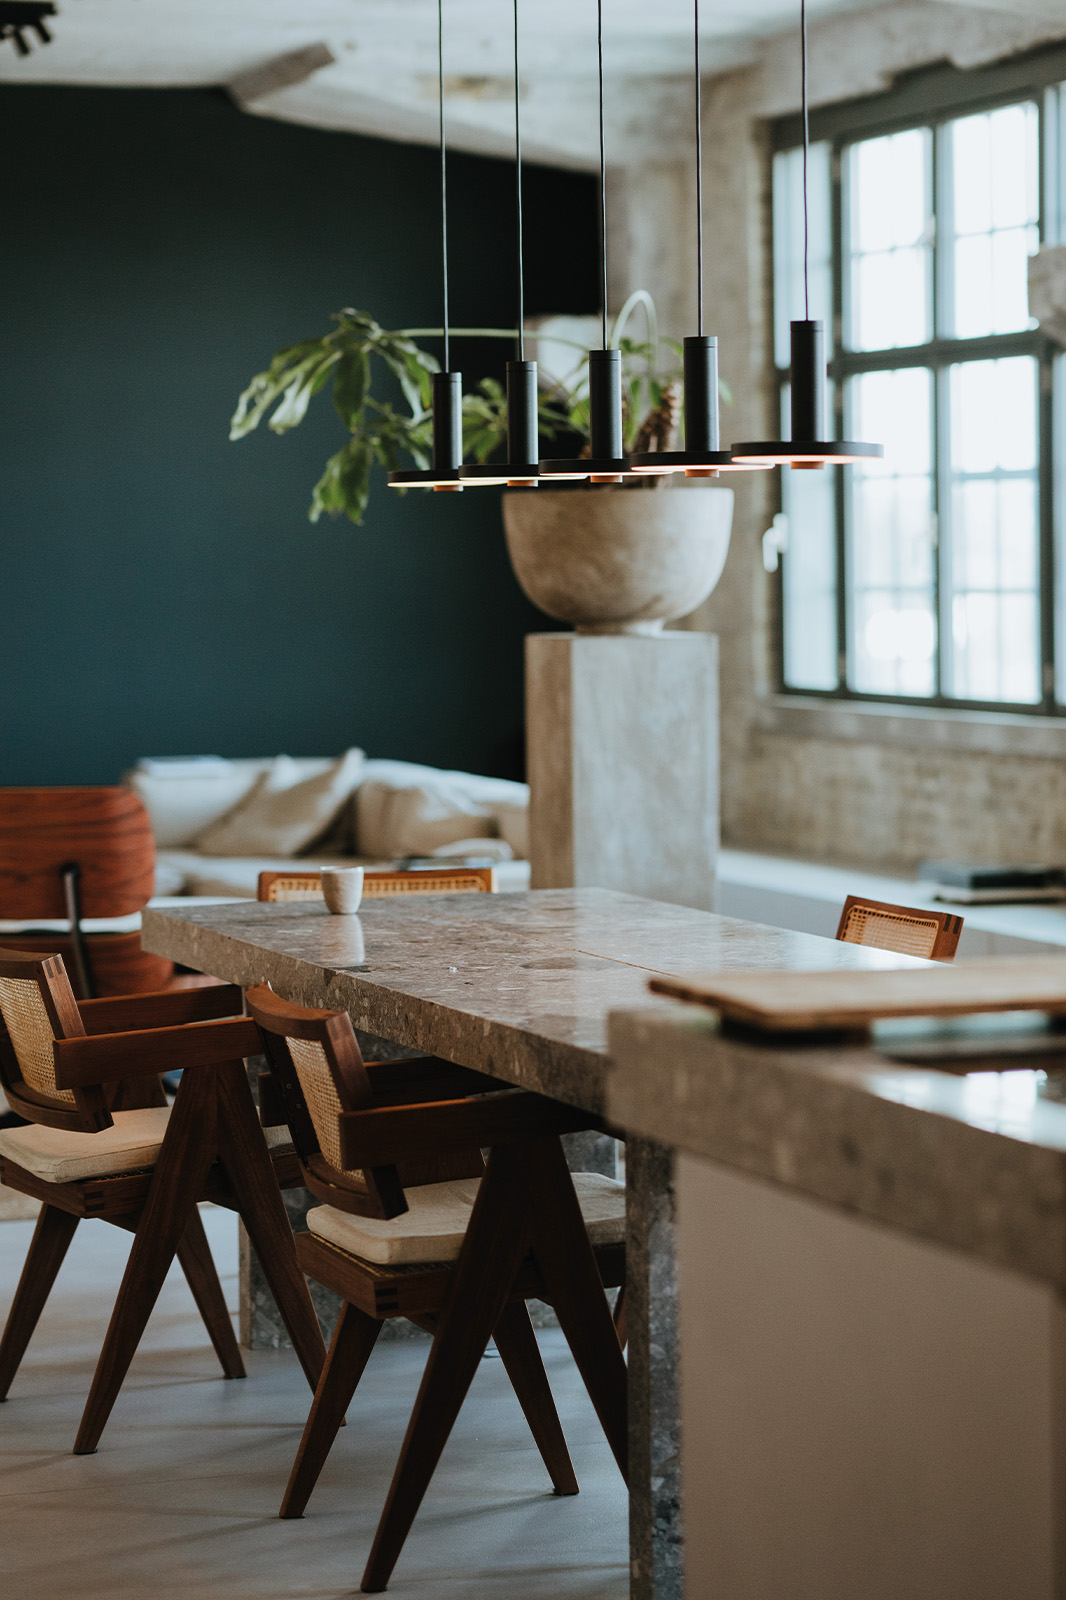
(495, 1243)
(50, 1242)
(197, 1263)
(564, 1255)
(251, 1173)
(185, 1158)
(353, 1340)
(520, 1354)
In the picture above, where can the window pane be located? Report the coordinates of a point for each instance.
(1060, 528)
(888, 270)
(892, 538)
(993, 169)
(993, 566)
(1055, 165)
(809, 577)
(788, 244)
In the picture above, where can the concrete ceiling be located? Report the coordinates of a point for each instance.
(383, 76)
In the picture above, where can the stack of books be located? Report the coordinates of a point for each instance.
(960, 884)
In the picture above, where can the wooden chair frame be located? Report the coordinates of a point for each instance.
(431, 880)
(111, 1054)
(947, 926)
(526, 1238)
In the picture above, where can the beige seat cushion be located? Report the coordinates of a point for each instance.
(58, 1156)
(433, 1227)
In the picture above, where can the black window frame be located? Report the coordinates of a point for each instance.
(928, 98)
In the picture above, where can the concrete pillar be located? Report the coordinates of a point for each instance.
(622, 754)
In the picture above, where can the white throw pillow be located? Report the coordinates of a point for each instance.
(285, 811)
(402, 809)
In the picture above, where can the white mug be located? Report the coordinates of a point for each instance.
(342, 889)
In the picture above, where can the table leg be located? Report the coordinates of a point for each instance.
(655, 1530)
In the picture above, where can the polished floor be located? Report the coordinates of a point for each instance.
(181, 1498)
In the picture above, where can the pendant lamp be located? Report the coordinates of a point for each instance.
(447, 387)
(606, 462)
(521, 470)
(808, 446)
(702, 456)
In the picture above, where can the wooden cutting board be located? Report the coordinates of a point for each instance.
(803, 1002)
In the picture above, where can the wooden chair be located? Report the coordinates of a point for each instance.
(77, 853)
(933, 934)
(281, 886)
(101, 1142)
(415, 1224)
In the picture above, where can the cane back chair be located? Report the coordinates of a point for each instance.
(284, 886)
(73, 853)
(100, 1141)
(415, 1224)
(932, 934)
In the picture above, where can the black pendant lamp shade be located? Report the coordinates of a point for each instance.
(605, 462)
(808, 446)
(446, 387)
(447, 405)
(703, 456)
(521, 470)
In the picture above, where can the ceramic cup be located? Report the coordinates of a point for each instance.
(342, 888)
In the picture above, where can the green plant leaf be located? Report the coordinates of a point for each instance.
(350, 384)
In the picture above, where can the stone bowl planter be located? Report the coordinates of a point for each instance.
(618, 560)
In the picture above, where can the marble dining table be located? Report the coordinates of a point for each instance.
(519, 986)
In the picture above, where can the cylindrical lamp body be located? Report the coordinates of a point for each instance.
(523, 445)
(808, 381)
(447, 421)
(605, 404)
(701, 393)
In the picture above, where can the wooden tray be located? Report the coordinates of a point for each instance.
(805, 1002)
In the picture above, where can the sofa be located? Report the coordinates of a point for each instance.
(218, 823)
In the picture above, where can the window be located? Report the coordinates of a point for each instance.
(937, 575)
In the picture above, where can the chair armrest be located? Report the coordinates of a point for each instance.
(101, 1058)
(388, 1135)
(397, 1083)
(164, 1008)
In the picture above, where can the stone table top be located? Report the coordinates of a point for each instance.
(517, 985)
(975, 1161)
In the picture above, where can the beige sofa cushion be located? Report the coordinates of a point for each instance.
(434, 1226)
(285, 812)
(58, 1156)
(406, 810)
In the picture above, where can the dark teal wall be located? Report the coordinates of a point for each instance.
(161, 590)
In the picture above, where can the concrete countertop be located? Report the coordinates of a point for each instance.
(977, 1161)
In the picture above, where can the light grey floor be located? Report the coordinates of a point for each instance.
(181, 1498)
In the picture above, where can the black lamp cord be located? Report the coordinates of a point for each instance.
(518, 188)
(806, 147)
(603, 170)
(443, 176)
(699, 173)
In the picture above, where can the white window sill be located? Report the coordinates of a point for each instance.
(921, 727)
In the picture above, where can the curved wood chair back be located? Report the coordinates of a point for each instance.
(37, 1007)
(105, 833)
(319, 1074)
(932, 934)
(76, 853)
(286, 886)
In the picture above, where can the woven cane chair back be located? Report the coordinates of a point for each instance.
(37, 1007)
(277, 887)
(932, 934)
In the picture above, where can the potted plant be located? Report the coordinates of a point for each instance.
(607, 558)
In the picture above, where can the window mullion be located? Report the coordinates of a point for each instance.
(838, 202)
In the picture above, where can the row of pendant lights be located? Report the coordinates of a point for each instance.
(606, 462)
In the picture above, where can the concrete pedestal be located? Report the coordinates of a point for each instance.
(622, 754)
